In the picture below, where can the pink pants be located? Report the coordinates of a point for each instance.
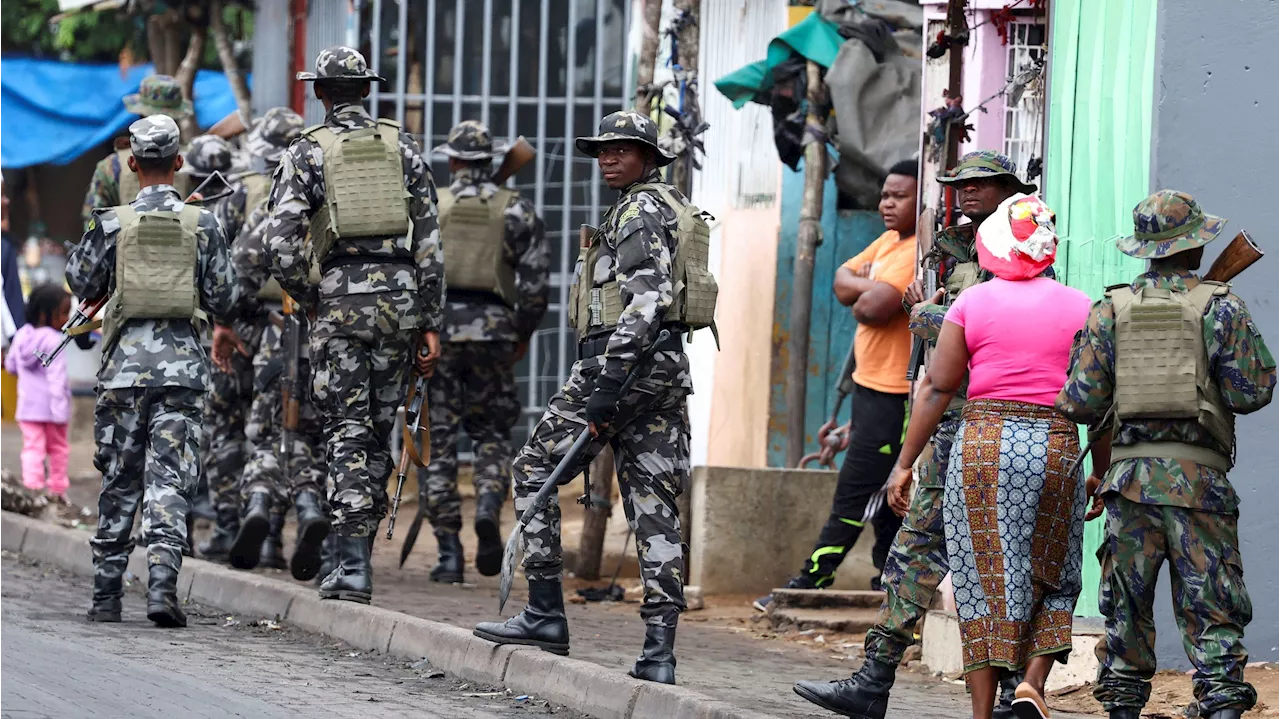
(40, 440)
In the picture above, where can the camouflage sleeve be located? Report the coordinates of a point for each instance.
(89, 264)
(231, 212)
(428, 251)
(1241, 363)
(218, 290)
(295, 191)
(527, 243)
(926, 320)
(1090, 387)
(249, 260)
(103, 192)
(643, 273)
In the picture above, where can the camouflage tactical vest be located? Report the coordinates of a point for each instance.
(474, 233)
(128, 181)
(963, 276)
(694, 288)
(1162, 369)
(156, 255)
(257, 187)
(365, 194)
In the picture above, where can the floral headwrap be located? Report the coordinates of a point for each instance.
(1018, 240)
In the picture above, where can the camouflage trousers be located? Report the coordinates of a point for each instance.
(1210, 603)
(357, 388)
(263, 472)
(227, 404)
(148, 439)
(918, 559)
(650, 440)
(472, 390)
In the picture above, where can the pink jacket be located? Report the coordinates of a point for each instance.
(44, 393)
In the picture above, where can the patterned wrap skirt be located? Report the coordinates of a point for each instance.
(1014, 526)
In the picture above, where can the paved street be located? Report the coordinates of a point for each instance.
(56, 664)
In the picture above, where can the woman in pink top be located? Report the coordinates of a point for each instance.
(1013, 517)
(44, 393)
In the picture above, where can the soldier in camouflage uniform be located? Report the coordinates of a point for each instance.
(232, 397)
(378, 298)
(154, 372)
(1166, 492)
(647, 427)
(490, 313)
(917, 561)
(157, 95)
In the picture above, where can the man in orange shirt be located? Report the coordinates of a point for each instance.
(872, 284)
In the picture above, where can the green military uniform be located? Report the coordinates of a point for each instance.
(1174, 358)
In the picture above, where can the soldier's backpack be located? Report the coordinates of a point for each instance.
(474, 234)
(155, 272)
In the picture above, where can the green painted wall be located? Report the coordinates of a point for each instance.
(1097, 166)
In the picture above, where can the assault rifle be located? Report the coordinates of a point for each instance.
(518, 155)
(81, 322)
(414, 406)
(929, 264)
(290, 381)
(215, 187)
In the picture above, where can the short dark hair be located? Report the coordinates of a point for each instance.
(343, 91)
(155, 164)
(43, 304)
(910, 168)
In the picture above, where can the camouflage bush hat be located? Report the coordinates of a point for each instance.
(158, 95)
(1169, 222)
(340, 63)
(625, 125)
(154, 137)
(469, 140)
(207, 154)
(982, 164)
(272, 134)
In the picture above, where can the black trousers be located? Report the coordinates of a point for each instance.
(874, 444)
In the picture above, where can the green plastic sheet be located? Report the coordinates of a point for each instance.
(813, 38)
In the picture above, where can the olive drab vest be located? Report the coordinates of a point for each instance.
(694, 288)
(365, 194)
(257, 187)
(155, 272)
(128, 181)
(963, 276)
(1162, 369)
(474, 231)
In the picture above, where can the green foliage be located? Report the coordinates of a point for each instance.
(82, 37)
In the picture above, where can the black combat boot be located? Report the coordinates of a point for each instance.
(448, 569)
(201, 507)
(542, 624)
(272, 555)
(489, 534)
(107, 590)
(218, 547)
(865, 695)
(163, 606)
(353, 579)
(657, 662)
(313, 531)
(1224, 714)
(1009, 682)
(328, 557)
(1126, 713)
(255, 526)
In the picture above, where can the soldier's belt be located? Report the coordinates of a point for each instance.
(596, 346)
(1174, 451)
(456, 295)
(344, 260)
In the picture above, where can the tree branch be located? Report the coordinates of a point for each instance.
(186, 78)
(228, 58)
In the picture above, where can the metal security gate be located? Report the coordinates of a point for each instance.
(545, 69)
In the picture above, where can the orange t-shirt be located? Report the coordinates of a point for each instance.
(884, 352)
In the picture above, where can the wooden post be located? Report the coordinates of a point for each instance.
(807, 240)
(228, 59)
(955, 56)
(648, 54)
(682, 170)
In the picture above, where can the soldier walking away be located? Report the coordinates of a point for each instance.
(165, 265)
(917, 560)
(498, 262)
(1166, 392)
(234, 385)
(372, 269)
(644, 270)
(113, 184)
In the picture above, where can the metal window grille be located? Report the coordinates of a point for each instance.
(545, 69)
(1024, 121)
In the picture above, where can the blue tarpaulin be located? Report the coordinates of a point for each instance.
(54, 111)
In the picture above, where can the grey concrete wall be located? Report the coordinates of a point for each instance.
(1214, 134)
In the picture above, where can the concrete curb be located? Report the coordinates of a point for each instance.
(579, 685)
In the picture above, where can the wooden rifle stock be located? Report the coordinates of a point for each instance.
(518, 155)
(1235, 258)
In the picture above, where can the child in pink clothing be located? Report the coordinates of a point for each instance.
(44, 394)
